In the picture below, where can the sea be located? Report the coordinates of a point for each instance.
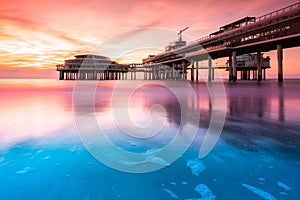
(152, 140)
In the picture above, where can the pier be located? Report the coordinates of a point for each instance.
(91, 67)
(248, 36)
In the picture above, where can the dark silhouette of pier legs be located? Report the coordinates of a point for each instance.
(259, 74)
(230, 67)
(197, 68)
(209, 68)
(173, 71)
(279, 60)
(61, 75)
(184, 71)
(234, 74)
(192, 71)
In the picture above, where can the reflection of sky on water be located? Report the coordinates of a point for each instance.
(41, 155)
(39, 108)
(33, 109)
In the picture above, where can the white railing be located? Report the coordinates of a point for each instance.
(278, 12)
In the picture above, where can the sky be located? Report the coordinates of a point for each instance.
(36, 35)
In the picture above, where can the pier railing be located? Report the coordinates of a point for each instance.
(258, 19)
(278, 12)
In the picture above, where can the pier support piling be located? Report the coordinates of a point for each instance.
(259, 69)
(209, 68)
(173, 71)
(197, 69)
(192, 71)
(279, 60)
(234, 74)
(230, 67)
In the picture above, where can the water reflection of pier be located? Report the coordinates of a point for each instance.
(254, 113)
(254, 106)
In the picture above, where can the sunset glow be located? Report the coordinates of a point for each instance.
(37, 35)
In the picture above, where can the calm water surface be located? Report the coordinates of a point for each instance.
(43, 157)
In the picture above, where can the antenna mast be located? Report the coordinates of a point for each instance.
(180, 34)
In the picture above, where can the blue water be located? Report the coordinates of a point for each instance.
(256, 157)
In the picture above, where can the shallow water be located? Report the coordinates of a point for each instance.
(43, 152)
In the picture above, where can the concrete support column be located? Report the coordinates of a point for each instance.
(230, 67)
(234, 75)
(60, 75)
(192, 71)
(173, 71)
(259, 70)
(279, 60)
(197, 70)
(149, 73)
(209, 68)
(152, 73)
(184, 71)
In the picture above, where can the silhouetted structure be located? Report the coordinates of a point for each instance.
(242, 41)
(91, 67)
(248, 63)
(273, 31)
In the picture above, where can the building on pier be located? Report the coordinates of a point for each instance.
(91, 67)
(247, 64)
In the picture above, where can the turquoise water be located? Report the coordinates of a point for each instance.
(256, 156)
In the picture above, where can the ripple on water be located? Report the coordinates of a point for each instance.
(284, 186)
(24, 171)
(196, 166)
(263, 194)
(205, 193)
(171, 193)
